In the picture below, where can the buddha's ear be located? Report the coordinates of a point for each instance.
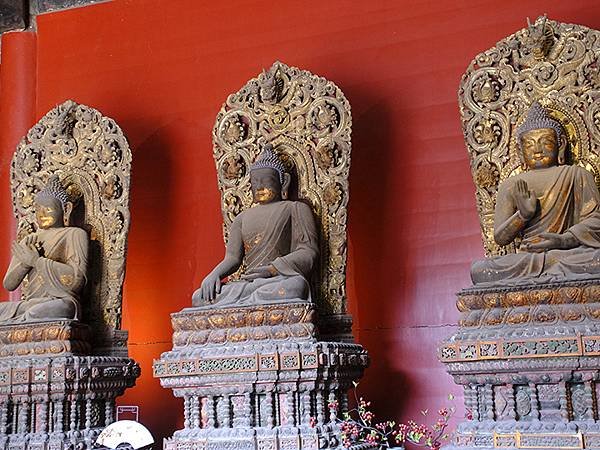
(561, 159)
(67, 213)
(287, 179)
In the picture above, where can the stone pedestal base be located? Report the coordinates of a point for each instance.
(529, 360)
(45, 338)
(265, 391)
(52, 398)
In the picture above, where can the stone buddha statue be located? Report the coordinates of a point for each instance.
(53, 260)
(553, 207)
(276, 241)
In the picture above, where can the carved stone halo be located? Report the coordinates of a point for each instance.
(551, 62)
(92, 158)
(307, 120)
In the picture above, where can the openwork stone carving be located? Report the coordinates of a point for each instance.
(549, 61)
(98, 158)
(307, 120)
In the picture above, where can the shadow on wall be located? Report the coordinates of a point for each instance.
(148, 280)
(373, 274)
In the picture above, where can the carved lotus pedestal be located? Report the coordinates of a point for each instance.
(256, 378)
(529, 360)
(53, 395)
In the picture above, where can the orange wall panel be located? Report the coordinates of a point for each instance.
(17, 115)
(163, 68)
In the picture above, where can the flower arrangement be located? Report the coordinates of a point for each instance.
(359, 427)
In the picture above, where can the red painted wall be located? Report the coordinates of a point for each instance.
(162, 69)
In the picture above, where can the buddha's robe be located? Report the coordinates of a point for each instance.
(53, 284)
(568, 202)
(282, 234)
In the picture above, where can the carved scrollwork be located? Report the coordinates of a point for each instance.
(551, 62)
(307, 120)
(92, 158)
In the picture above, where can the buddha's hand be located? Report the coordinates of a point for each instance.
(260, 272)
(27, 254)
(550, 241)
(31, 240)
(211, 287)
(526, 200)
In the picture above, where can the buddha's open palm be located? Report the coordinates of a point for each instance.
(525, 199)
(552, 241)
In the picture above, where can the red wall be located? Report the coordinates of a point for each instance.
(162, 69)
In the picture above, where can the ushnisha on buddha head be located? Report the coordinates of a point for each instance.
(268, 178)
(542, 139)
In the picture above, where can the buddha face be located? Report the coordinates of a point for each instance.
(540, 148)
(49, 213)
(266, 186)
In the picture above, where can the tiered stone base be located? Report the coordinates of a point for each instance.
(529, 360)
(51, 397)
(44, 338)
(256, 389)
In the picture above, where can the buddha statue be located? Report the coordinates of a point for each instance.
(554, 208)
(275, 240)
(53, 260)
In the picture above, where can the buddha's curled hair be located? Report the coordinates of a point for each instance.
(537, 118)
(54, 190)
(268, 159)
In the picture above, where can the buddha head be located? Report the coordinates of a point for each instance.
(268, 178)
(52, 205)
(542, 139)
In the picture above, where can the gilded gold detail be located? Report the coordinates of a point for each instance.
(544, 315)
(519, 298)
(518, 316)
(257, 318)
(44, 338)
(542, 296)
(217, 320)
(66, 280)
(487, 175)
(276, 317)
(568, 295)
(242, 317)
(571, 314)
(593, 311)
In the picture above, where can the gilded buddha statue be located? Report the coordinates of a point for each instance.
(553, 207)
(276, 241)
(53, 260)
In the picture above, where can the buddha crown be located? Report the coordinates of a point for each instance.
(54, 190)
(268, 159)
(538, 117)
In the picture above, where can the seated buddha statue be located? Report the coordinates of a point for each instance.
(275, 240)
(53, 260)
(553, 207)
